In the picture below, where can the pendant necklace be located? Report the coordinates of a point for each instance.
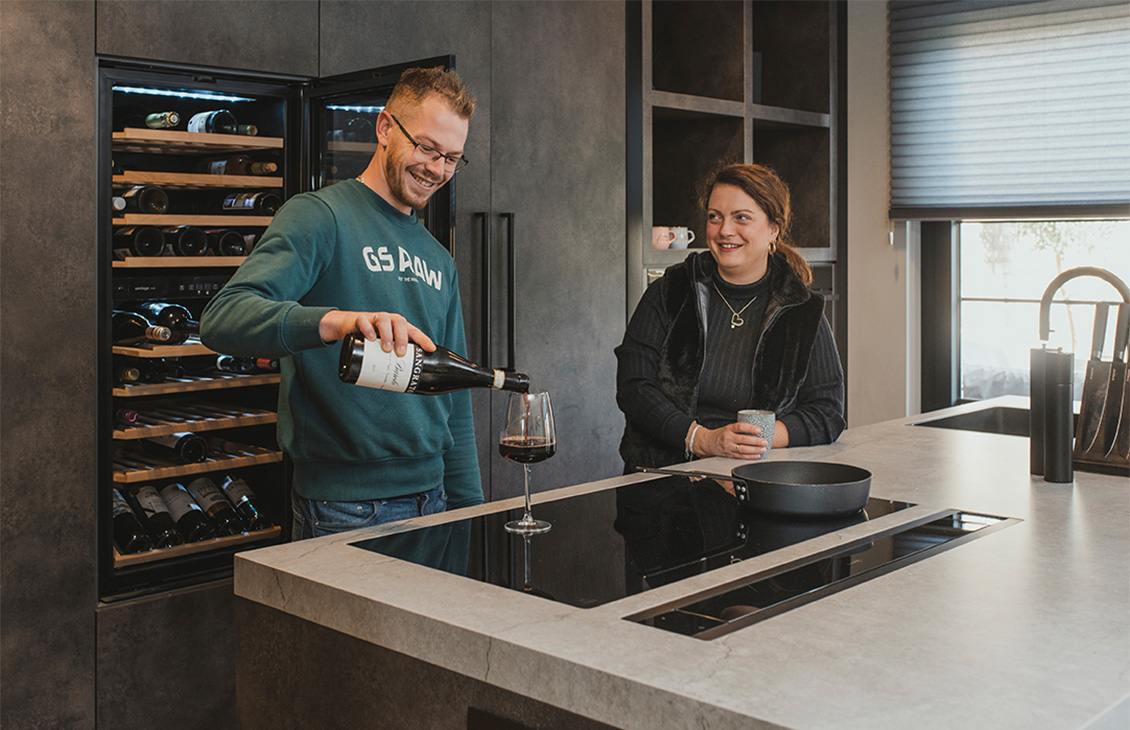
(735, 320)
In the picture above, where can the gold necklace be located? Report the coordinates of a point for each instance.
(736, 318)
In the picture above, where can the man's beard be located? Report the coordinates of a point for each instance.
(394, 174)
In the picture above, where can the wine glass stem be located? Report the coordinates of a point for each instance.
(526, 472)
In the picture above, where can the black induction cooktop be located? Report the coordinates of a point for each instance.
(614, 543)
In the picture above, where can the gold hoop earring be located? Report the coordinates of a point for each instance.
(772, 247)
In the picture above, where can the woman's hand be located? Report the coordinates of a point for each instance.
(393, 330)
(734, 441)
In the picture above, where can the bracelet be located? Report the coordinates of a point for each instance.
(690, 442)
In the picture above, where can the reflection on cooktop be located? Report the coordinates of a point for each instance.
(614, 543)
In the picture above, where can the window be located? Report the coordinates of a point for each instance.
(1004, 268)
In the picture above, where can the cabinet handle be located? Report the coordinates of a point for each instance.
(511, 305)
(484, 308)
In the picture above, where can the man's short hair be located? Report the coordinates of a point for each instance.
(417, 83)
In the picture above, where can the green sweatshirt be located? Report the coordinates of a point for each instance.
(344, 247)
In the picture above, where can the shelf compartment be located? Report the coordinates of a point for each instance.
(168, 219)
(132, 466)
(690, 37)
(217, 543)
(162, 420)
(195, 181)
(178, 262)
(191, 347)
(169, 141)
(195, 384)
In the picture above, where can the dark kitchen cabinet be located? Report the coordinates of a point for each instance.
(547, 161)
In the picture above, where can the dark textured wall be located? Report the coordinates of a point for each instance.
(47, 299)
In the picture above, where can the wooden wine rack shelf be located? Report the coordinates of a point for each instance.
(192, 548)
(191, 347)
(133, 465)
(235, 220)
(195, 181)
(178, 262)
(169, 419)
(195, 384)
(167, 141)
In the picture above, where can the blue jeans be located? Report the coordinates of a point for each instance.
(317, 517)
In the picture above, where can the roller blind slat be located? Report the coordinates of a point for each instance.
(1009, 103)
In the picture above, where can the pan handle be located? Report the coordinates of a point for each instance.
(739, 483)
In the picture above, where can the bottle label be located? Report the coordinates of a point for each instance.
(207, 495)
(237, 490)
(241, 201)
(387, 371)
(178, 501)
(499, 379)
(199, 122)
(121, 507)
(219, 167)
(151, 502)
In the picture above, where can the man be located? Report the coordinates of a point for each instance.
(353, 257)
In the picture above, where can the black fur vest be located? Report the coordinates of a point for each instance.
(788, 331)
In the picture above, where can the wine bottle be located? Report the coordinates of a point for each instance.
(226, 242)
(245, 503)
(126, 371)
(356, 129)
(216, 506)
(135, 116)
(147, 199)
(236, 165)
(131, 328)
(247, 129)
(218, 121)
(186, 240)
(126, 416)
(365, 363)
(190, 519)
(129, 535)
(269, 364)
(257, 203)
(162, 528)
(185, 447)
(233, 364)
(224, 446)
(174, 316)
(117, 203)
(139, 241)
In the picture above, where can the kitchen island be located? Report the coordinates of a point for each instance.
(1026, 626)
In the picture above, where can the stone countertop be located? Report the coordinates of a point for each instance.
(1026, 627)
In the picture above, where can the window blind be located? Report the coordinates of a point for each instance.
(1009, 109)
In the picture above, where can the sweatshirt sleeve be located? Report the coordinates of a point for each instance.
(258, 312)
(637, 375)
(461, 478)
(819, 414)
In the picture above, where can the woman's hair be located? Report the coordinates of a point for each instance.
(417, 83)
(772, 195)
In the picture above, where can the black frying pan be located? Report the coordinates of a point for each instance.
(796, 488)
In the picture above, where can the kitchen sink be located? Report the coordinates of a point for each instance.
(998, 419)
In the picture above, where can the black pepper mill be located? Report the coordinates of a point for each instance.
(1059, 422)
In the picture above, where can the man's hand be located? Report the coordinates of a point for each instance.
(393, 330)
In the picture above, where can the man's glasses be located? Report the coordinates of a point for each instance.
(450, 162)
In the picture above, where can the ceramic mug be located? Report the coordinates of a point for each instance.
(765, 419)
(662, 237)
(683, 237)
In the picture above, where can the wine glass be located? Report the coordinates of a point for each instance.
(528, 436)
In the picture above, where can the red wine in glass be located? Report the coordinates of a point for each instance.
(528, 436)
(530, 450)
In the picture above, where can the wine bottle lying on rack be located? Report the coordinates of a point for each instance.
(218, 121)
(174, 316)
(226, 242)
(236, 165)
(219, 510)
(364, 362)
(254, 203)
(186, 240)
(185, 447)
(190, 519)
(236, 365)
(135, 116)
(356, 129)
(269, 364)
(131, 328)
(162, 528)
(246, 503)
(147, 199)
(126, 416)
(138, 241)
(129, 535)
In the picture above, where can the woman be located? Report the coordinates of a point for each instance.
(728, 329)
